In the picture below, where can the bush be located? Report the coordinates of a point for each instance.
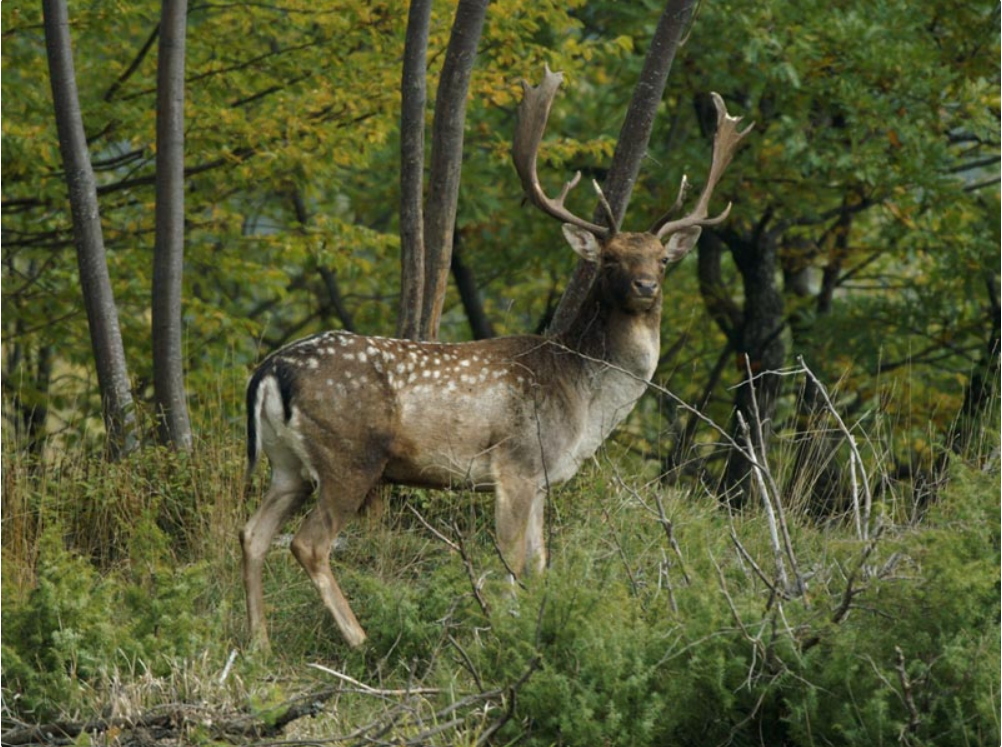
(600, 651)
(77, 627)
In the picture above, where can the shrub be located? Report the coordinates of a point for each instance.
(77, 627)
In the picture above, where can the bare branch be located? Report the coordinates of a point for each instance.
(914, 717)
(855, 462)
(475, 583)
(452, 545)
(374, 690)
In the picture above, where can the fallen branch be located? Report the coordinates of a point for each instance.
(170, 721)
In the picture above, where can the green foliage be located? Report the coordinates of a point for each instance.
(937, 628)
(77, 627)
(613, 667)
(127, 571)
(597, 679)
(624, 641)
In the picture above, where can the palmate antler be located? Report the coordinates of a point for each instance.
(725, 144)
(532, 115)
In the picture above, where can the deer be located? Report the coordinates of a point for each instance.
(340, 414)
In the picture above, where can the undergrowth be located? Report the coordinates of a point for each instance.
(662, 619)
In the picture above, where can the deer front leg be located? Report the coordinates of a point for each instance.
(519, 521)
(535, 540)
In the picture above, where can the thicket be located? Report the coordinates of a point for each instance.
(853, 600)
(664, 618)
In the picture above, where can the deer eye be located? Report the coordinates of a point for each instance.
(664, 261)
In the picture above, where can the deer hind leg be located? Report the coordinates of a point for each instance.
(519, 521)
(338, 502)
(287, 493)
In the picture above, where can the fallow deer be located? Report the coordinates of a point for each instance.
(339, 414)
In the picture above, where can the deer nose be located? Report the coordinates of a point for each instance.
(644, 287)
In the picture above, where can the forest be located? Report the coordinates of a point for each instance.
(794, 537)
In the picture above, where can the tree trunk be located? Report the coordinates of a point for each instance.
(173, 425)
(982, 387)
(447, 158)
(817, 474)
(760, 349)
(30, 373)
(631, 146)
(95, 283)
(469, 295)
(413, 91)
(331, 299)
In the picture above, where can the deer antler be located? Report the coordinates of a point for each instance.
(532, 115)
(725, 144)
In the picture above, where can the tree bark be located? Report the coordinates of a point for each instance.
(95, 283)
(631, 145)
(413, 88)
(760, 349)
(447, 158)
(173, 424)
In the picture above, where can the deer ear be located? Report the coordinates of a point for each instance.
(681, 242)
(583, 242)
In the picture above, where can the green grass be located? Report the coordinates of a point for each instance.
(122, 593)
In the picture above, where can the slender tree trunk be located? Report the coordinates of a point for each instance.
(173, 424)
(632, 144)
(447, 158)
(469, 295)
(33, 371)
(677, 459)
(413, 88)
(334, 301)
(95, 283)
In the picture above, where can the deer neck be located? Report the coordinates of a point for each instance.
(607, 337)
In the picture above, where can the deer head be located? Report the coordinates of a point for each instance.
(594, 241)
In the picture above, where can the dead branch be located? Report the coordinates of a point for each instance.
(914, 717)
(746, 556)
(504, 562)
(449, 543)
(622, 553)
(862, 521)
(169, 721)
(851, 590)
(776, 493)
(663, 573)
(782, 580)
(475, 583)
(669, 528)
(362, 687)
